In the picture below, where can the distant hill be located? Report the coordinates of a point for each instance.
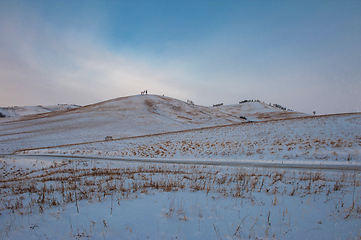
(258, 111)
(30, 110)
(173, 108)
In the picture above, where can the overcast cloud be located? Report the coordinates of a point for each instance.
(304, 55)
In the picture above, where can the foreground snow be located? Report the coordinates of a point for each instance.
(47, 199)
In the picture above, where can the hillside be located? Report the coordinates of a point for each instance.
(322, 139)
(120, 117)
(124, 117)
(17, 111)
(258, 111)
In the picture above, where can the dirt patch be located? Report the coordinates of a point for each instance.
(151, 106)
(185, 118)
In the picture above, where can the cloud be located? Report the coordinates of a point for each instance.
(44, 65)
(47, 59)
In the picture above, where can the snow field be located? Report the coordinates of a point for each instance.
(112, 200)
(332, 138)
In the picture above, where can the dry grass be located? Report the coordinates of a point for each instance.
(308, 148)
(72, 181)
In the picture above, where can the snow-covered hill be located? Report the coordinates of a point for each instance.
(127, 117)
(17, 111)
(258, 111)
(121, 117)
(323, 139)
(166, 106)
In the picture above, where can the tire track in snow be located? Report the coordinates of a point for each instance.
(231, 163)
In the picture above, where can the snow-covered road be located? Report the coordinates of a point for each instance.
(294, 164)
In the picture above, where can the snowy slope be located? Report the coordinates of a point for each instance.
(323, 138)
(146, 115)
(121, 117)
(17, 111)
(258, 111)
(153, 106)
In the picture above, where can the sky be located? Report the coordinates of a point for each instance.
(304, 55)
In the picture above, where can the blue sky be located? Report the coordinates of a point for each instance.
(304, 55)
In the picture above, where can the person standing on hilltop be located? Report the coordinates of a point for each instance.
(146, 92)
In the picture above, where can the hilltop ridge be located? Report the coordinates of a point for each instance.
(177, 110)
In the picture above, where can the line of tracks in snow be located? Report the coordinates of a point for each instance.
(305, 165)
